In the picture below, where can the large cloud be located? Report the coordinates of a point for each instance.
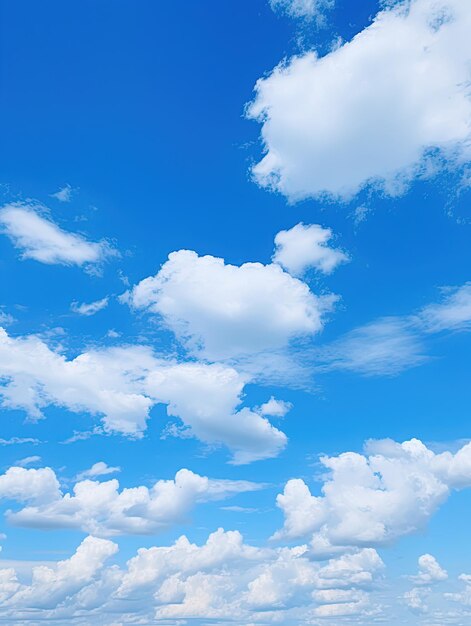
(102, 509)
(373, 499)
(223, 311)
(223, 579)
(39, 238)
(372, 110)
(122, 385)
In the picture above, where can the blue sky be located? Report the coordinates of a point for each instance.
(295, 373)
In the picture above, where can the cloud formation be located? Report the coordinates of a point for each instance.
(122, 384)
(305, 246)
(102, 509)
(39, 238)
(375, 498)
(223, 311)
(89, 308)
(389, 105)
(223, 579)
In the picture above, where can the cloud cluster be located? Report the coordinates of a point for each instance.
(101, 508)
(39, 238)
(223, 579)
(375, 498)
(222, 311)
(389, 105)
(122, 384)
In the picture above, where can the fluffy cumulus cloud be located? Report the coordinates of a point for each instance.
(52, 586)
(389, 105)
(224, 579)
(430, 571)
(102, 508)
(305, 246)
(374, 498)
(39, 238)
(223, 311)
(122, 385)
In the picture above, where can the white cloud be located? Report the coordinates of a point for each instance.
(225, 311)
(430, 571)
(13, 441)
(453, 313)
(41, 239)
(102, 509)
(373, 499)
(51, 587)
(275, 408)
(28, 460)
(64, 194)
(122, 384)
(386, 346)
(416, 599)
(389, 105)
(223, 579)
(98, 469)
(91, 308)
(309, 9)
(305, 246)
(38, 486)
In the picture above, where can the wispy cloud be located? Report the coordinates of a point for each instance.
(32, 232)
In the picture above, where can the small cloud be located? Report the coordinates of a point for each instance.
(90, 308)
(98, 469)
(64, 194)
(30, 229)
(18, 440)
(113, 334)
(360, 214)
(28, 460)
(239, 509)
(305, 246)
(6, 319)
(275, 408)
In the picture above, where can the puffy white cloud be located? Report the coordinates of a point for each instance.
(391, 104)
(275, 407)
(89, 308)
(102, 509)
(122, 384)
(223, 579)
(50, 587)
(373, 499)
(309, 9)
(305, 246)
(39, 238)
(452, 313)
(37, 486)
(98, 469)
(222, 311)
(430, 571)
